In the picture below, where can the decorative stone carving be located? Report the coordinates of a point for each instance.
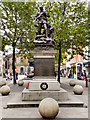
(20, 82)
(72, 83)
(5, 90)
(48, 108)
(2, 83)
(78, 89)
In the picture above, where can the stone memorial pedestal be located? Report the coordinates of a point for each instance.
(44, 62)
(44, 83)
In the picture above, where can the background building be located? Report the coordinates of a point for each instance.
(22, 65)
(78, 65)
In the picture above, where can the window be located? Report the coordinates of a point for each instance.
(21, 70)
(28, 70)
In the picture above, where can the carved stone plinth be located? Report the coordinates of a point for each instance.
(44, 62)
(60, 95)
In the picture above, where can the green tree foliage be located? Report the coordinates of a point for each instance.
(70, 20)
(16, 22)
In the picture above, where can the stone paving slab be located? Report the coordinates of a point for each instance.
(34, 113)
(66, 86)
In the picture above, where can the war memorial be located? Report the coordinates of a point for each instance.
(44, 83)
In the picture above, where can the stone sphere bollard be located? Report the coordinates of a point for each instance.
(5, 90)
(2, 83)
(78, 89)
(48, 108)
(20, 82)
(72, 83)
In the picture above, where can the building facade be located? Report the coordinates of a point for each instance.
(78, 65)
(22, 65)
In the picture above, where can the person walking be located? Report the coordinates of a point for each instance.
(86, 79)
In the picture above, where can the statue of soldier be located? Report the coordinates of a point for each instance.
(42, 21)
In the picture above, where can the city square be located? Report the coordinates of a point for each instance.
(45, 60)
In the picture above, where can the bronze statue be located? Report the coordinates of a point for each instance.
(45, 30)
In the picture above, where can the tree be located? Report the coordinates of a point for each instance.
(16, 21)
(70, 21)
(79, 29)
